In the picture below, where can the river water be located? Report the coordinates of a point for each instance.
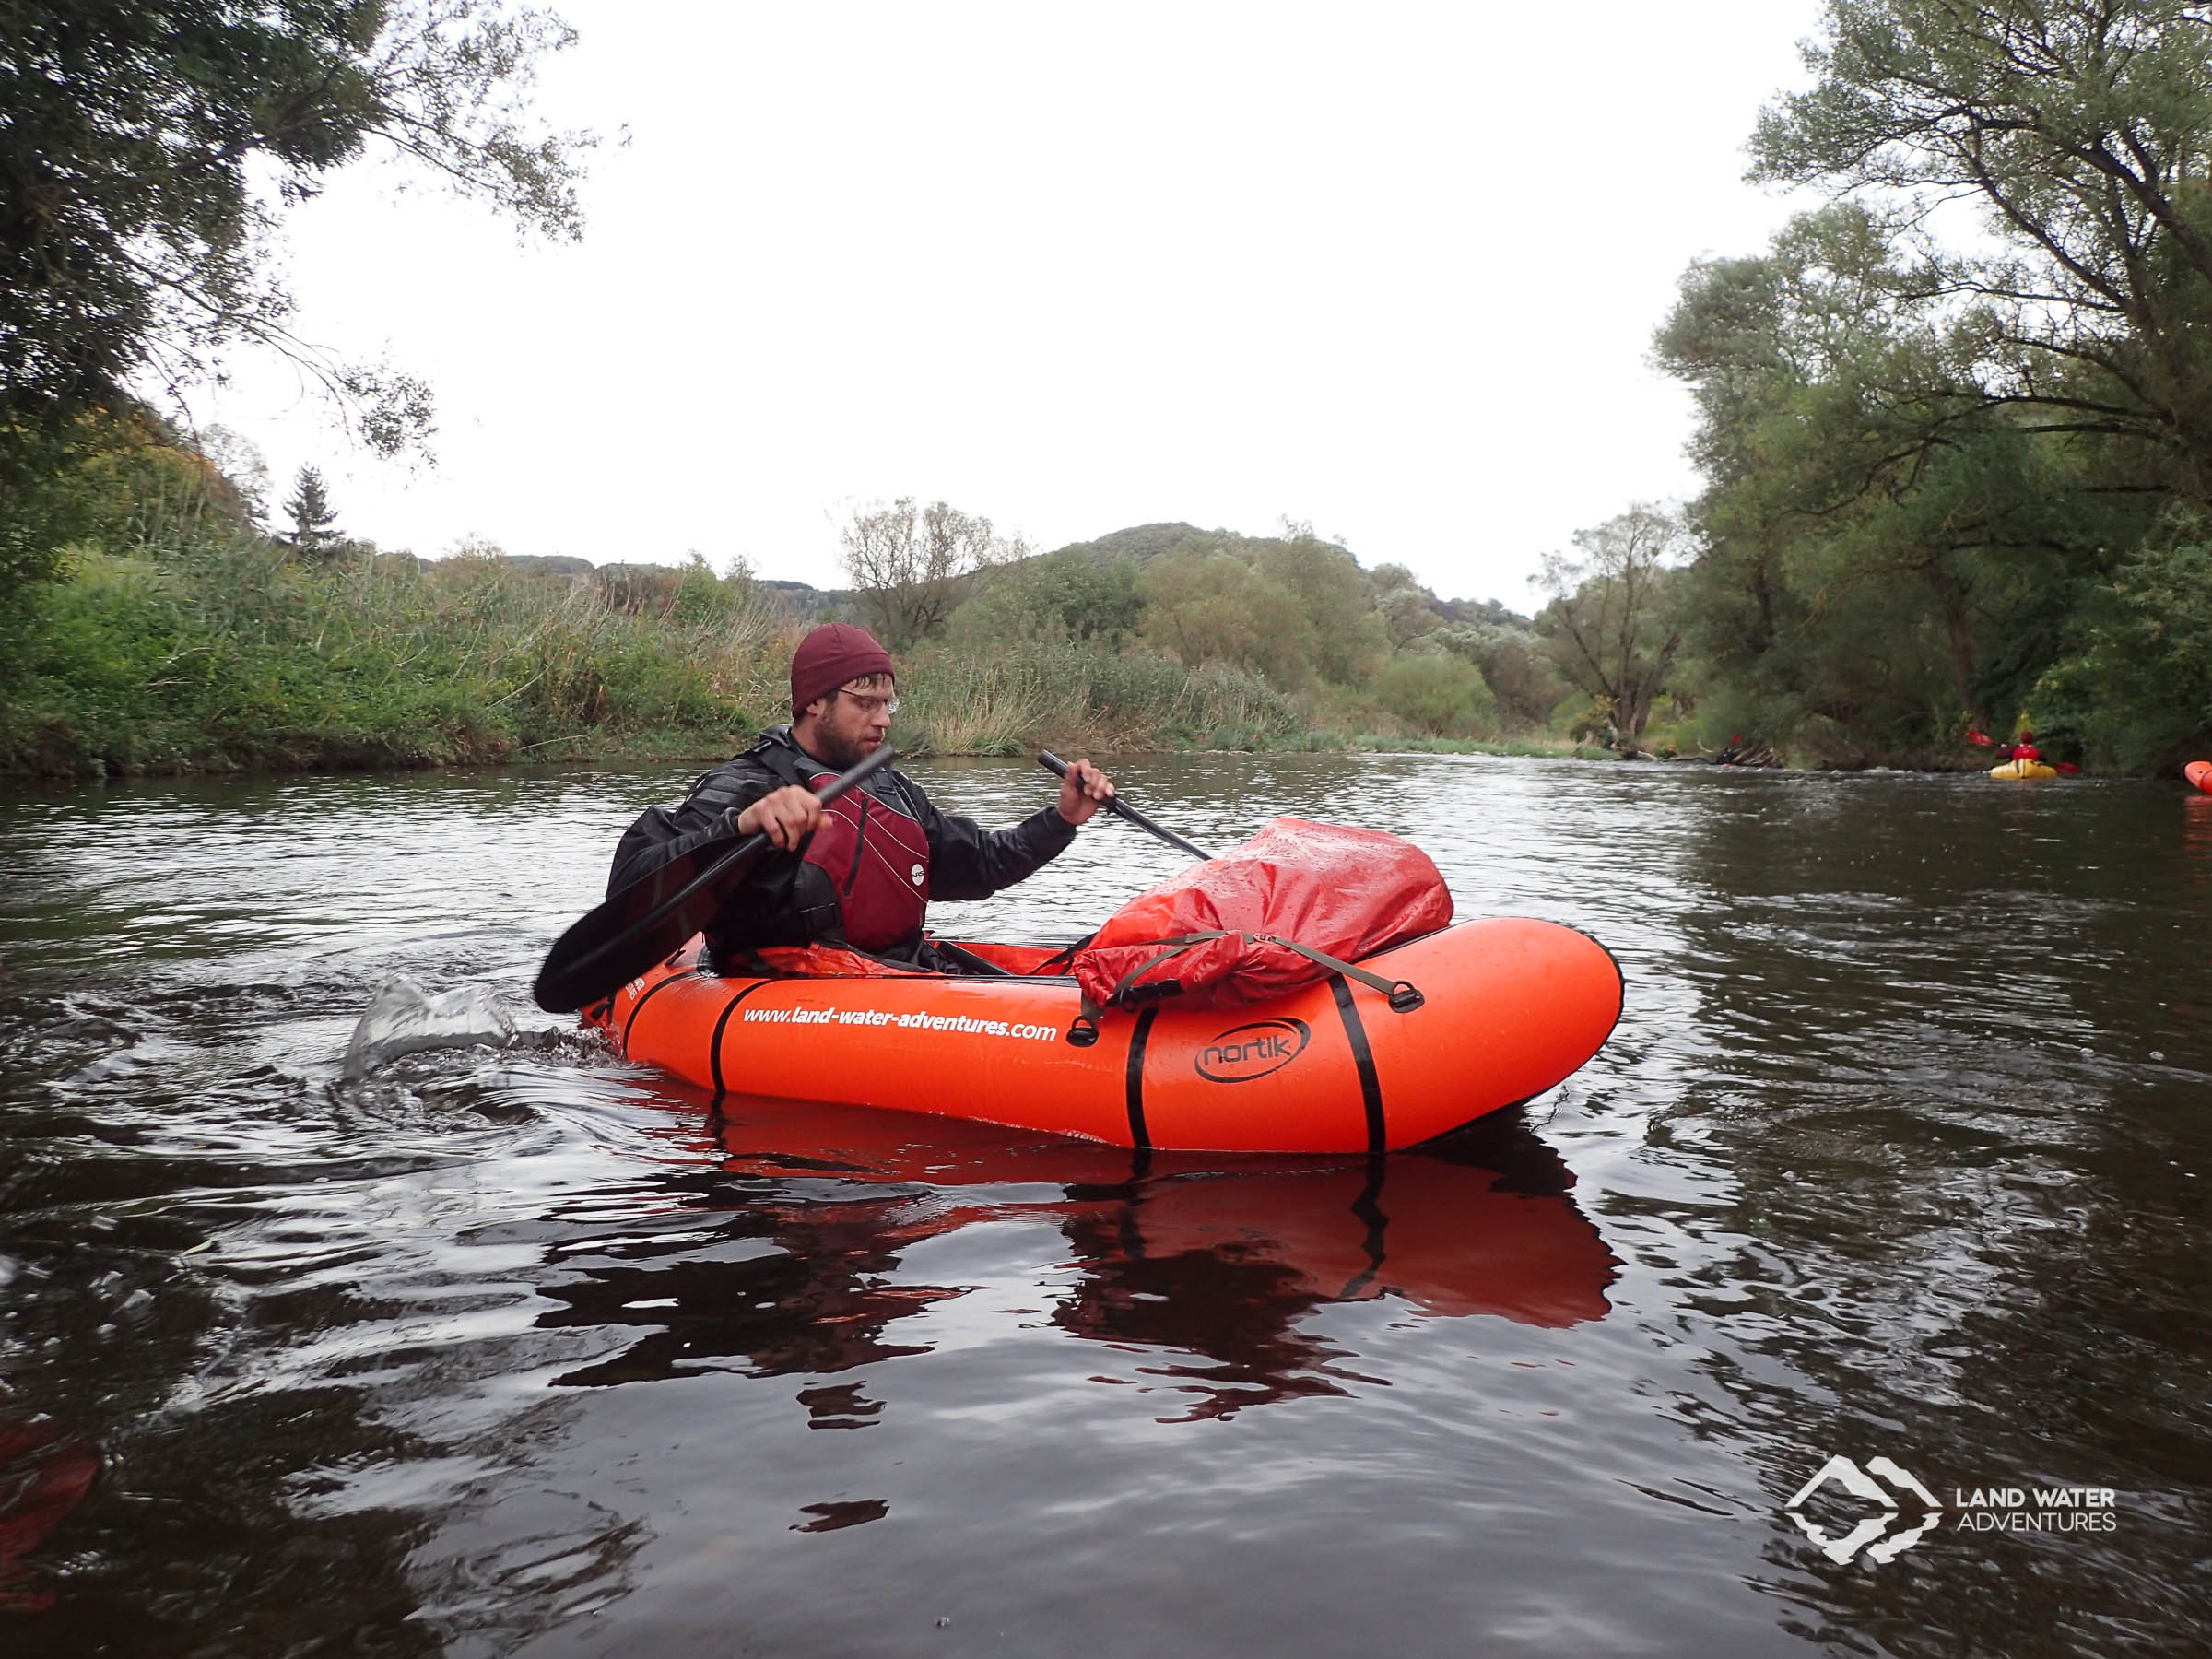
(1900, 1151)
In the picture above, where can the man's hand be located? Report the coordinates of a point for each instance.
(1081, 791)
(789, 815)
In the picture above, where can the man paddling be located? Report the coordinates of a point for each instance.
(860, 873)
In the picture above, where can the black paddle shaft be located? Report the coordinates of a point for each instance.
(642, 923)
(1119, 809)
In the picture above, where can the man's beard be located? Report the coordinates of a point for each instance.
(840, 754)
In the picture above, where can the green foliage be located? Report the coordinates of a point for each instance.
(219, 650)
(1348, 642)
(701, 595)
(1291, 609)
(2138, 695)
(1086, 697)
(184, 638)
(1611, 627)
(2080, 126)
(109, 482)
(142, 146)
(1065, 596)
(1437, 693)
(1515, 665)
(314, 518)
(1206, 604)
(141, 142)
(1142, 543)
(1932, 470)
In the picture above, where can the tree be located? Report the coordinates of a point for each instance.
(1524, 686)
(1883, 548)
(145, 150)
(2139, 691)
(1204, 604)
(911, 564)
(238, 459)
(1347, 641)
(1065, 596)
(1288, 606)
(2080, 127)
(1436, 692)
(1608, 625)
(312, 516)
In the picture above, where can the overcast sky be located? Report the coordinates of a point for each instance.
(1390, 268)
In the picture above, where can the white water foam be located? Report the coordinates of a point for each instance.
(404, 1020)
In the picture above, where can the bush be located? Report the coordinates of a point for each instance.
(2139, 697)
(218, 650)
(1438, 694)
(1084, 698)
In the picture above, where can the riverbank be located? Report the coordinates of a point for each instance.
(204, 646)
(231, 653)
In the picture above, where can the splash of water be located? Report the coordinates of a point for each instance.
(404, 1020)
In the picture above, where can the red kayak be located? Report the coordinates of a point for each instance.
(2199, 772)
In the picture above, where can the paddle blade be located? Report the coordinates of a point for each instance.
(2067, 766)
(1982, 738)
(623, 937)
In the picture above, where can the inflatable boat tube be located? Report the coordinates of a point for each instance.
(2023, 770)
(1507, 1008)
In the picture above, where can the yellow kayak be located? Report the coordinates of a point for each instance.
(2019, 770)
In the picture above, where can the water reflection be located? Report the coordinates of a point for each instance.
(1211, 1265)
(44, 1473)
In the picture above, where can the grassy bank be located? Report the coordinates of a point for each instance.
(227, 651)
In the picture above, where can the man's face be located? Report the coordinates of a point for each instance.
(851, 722)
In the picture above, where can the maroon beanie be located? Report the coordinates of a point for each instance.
(830, 656)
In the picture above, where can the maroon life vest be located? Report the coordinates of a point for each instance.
(877, 860)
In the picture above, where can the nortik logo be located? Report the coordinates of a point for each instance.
(1245, 1051)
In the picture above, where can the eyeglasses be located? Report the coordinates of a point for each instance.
(870, 705)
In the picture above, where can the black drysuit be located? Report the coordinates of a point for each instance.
(786, 900)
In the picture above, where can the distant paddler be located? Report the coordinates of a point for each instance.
(859, 873)
(2025, 762)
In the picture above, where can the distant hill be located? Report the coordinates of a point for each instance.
(1143, 543)
(550, 564)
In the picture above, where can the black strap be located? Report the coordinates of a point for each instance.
(1061, 961)
(960, 957)
(1403, 995)
(1140, 1136)
(780, 758)
(1363, 1058)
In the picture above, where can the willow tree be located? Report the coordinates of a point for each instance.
(2020, 404)
(1886, 547)
(912, 564)
(148, 152)
(1611, 632)
(2083, 130)
(146, 156)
